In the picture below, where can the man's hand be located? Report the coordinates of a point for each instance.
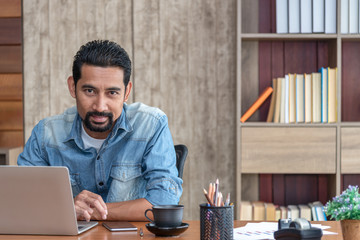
(87, 204)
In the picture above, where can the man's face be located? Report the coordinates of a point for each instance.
(100, 95)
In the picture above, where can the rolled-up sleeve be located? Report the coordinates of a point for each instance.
(159, 164)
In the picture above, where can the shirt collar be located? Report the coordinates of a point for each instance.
(122, 123)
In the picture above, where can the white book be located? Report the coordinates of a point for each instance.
(330, 16)
(286, 98)
(308, 94)
(282, 16)
(305, 16)
(353, 16)
(324, 95)
(293, 212)
(305, 211)
(300, 94)
(318, 16)
(344, 24)
(294, 16)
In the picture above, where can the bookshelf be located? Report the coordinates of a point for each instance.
(286, 155)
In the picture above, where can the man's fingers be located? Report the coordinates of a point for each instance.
(83, 211)
(100, 209)
(87, 200)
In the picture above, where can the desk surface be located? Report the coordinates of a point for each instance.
(193, 232)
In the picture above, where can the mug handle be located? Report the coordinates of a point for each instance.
(147, 216)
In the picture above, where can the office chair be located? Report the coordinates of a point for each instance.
(181, 154)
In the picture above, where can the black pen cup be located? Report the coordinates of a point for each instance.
(216, 223)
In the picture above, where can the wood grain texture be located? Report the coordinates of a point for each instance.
(11, 87)
(37, 54)
(311, 150)
(11, 138)
(250, 11)
(10, 8)
(11, 113)
(10, 30)
(301, 189)
(350, 150)
(249, 72)
(350, 87)
(10, 59)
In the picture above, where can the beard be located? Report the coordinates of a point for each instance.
(96, 127)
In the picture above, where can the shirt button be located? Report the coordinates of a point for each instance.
(98, 157)
(101, 183)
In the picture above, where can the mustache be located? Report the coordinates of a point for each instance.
(99, 114)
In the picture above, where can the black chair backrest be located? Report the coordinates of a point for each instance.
(181, 154)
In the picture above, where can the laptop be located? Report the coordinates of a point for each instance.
(38, 200)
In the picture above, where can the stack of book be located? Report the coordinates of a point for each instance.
(349, 17)
(304, 98)
(306, 16)
(261, 211)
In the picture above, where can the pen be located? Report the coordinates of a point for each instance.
(141, 233)
(216, 192)
(227, 201)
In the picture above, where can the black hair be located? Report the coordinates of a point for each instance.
(102, 53)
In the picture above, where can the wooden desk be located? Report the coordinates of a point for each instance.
(192, 233)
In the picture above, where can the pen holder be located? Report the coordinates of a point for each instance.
(216, 223)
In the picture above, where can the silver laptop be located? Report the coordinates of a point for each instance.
(38, 200)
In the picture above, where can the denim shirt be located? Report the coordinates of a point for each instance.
(137, 159)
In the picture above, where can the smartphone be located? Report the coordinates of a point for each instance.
(120, 226)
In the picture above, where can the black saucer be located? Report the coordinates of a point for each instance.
(167, 231)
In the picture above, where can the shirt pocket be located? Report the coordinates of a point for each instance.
(127, 183)
(125, 172)
(75, 183)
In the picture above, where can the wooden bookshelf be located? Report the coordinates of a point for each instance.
(278, 162)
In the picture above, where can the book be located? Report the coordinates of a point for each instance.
(324, 95)
(286, 99)
(353, 16)
(292, 98)
(270, 116)
(293, 212)
(318, 16)
(319, 211)
(258, 102)
(305, 16)
(316, 97)
(313, 212)
(300, 98)
(282, 16)
(277, 213)
(330, 16)
(305, 211)
(308, 94)
(270, 212)
(344, 21)
(332, 96)
(246, 211)
(294, 16)
(283, 210)
(278, 100)
(283, 99)
(258, 211)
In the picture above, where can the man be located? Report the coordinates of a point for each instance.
(120, 157)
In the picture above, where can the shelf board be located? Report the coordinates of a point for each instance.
(290, 125)
(275, 36)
